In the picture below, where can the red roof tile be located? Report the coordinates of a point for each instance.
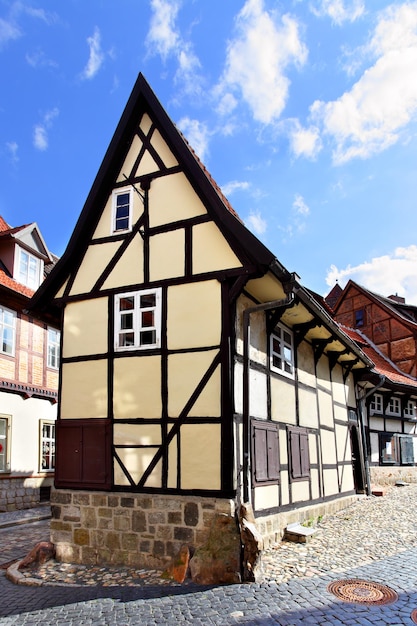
(3, 225)
(10, 283)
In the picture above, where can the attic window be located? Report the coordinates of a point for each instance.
(122, 210)
(359, 318)
(29, 269)
(377, 405)
(282, 351)
(410, 409)
(138, 320)
(394, 406)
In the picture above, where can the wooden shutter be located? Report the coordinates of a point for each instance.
(265, 452)
(299, 453)
(407, 450)
(261, 459)
(272, 453)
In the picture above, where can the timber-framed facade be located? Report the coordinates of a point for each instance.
(197, 373)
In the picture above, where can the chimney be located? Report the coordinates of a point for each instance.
(397, 298)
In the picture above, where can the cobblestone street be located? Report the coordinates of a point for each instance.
(373, 540)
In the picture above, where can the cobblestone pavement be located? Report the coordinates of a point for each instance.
(373, 540)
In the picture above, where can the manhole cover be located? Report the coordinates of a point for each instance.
(414, 616)
(362, 591)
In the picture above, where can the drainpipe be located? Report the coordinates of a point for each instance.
(274, 304)
(361, 404)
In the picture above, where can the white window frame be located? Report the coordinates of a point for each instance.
(410, 409)
(3, 326)
(25, 279)
(116, 194)
(53, 348)
(377, 404)
(44, 441)
(136, 328)
(394, 406)
(285, 354)
(5, 443)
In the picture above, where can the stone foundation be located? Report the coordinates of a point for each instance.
(138, 530)
(22, 493)
(272, 527)
(390, 475)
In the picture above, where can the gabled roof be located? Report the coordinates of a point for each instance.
(25, 233)
(383, 366)
(407, 312)
(141, 100)
(13, 285)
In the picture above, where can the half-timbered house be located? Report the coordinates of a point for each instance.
(29, 360)
(197, 373)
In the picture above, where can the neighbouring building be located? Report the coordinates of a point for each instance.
(29, 362)
(389, 405)
(197, 373)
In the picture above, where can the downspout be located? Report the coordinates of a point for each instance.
(274, 304)
(362, 403)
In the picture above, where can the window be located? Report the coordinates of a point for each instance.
(29, 269)
(122, 210)
(138, 320)
(47, 440)
(377, 405)
(359, 318)
(7, 331)
(53, 348)
(410, 409)
(298, 453)
(394, 406)
(265, 452)
(282, 351)
(396, 449)
(4, 443)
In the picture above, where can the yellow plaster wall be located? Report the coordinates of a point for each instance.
(285, 490)
(147, 165)
(328, 447)
(172, 198)
(84, 390)
(85, 328)
(162, 149)
(185, 371)
(194, 315)
(172, 463)
(323, 373)
(305, 356)
(94, 263)
(136, 461)
(211, 252)
(343, 443)
(338, 386)
(145, 123)
(258, 339)
(346, 475)
(330, 482)
(266, 289)
(167, 256)
(282, 401)
(105, 224)
(266, 497)
(129, 269)
(376, 423)
(137, 387)
(325, 408)
(137, 434)
(130, 159)
(308, 407)
(200, 456)
(314, 478)
(61, 290)
(393, 425)
(300, 491)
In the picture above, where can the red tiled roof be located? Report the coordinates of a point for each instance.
(11, 231)
(382, 364)
(3, 225)
(10, 283)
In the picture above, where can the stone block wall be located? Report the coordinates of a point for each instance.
(137, 530)
(21, 493)
(389, 475)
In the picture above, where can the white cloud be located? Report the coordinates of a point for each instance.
(339, 10)
(10, 28)
(371, 116)
(197, 135)
(305, 141)
(257, 58)
(299, 206)
(39, 59)
(96, 57)
(163, 38)
(234, 185)
(40, 131)
(256, 223)
(385, 275)
(8, 31)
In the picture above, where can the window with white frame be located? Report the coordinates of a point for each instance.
(138, 320)
(5, 421)
(377, 405)
(7, 331)
(47, 442)
(30, 269)
(394, 406)
(282, 351)
(53, 348)
(410, 409)
(122, 210)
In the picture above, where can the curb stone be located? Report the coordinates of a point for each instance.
(15, 576)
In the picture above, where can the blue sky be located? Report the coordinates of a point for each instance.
(304, 112)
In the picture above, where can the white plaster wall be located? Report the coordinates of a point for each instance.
(282, 400)
(25, 430)
(374, 447)
(258, 392)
